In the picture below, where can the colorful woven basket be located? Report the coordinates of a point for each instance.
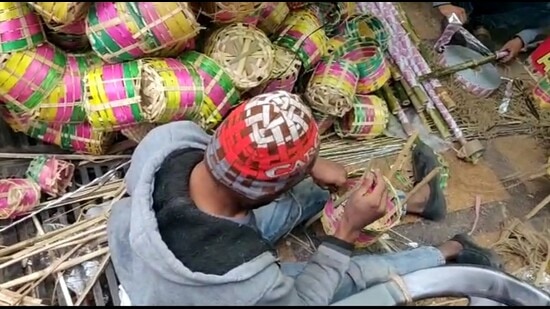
(541, 93)
(302, 33)
(331, 89)
(244, 52)
(80, 138)
(28, 77)
(367, 119)
(165, 27)
(17, 197)
(113, 95)
(171, 91)
(20, 28)
(138, 132)
(232, 12)
(332, 14)
(371, 233)
(65, 104)
(61, 13)
(334, 43)
(112, 32)
(52, 175)
(374, 72)
(284, 75)
(220, 94)
(366, 26)
(272, 15)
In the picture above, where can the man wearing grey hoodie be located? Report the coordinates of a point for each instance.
(204, 212)
(520, 22)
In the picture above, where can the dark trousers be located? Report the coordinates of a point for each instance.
(510, 17)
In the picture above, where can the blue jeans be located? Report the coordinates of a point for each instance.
(511, 17)
(305, 200)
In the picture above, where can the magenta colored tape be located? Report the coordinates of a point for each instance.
(106, 11)
(150, 15)
(216, 94)
(188, 97)
(36, 72)
(308, 46)
(12, 30)
(72, 80)
(115, 89)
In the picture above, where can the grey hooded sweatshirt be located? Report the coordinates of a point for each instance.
(151, 274)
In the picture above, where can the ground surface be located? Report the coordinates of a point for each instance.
(500, 201)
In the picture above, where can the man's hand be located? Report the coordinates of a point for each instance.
(513, 47)
(328, 174)
(365, 206)
(448, 9)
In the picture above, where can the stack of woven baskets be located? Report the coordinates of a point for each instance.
(76, 74)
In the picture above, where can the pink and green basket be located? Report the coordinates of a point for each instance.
(20, 28)
(17, 197)
(28, 77)
(65, 104)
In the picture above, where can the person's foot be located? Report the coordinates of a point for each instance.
(429, 202)
(474, 254)
(484, 37)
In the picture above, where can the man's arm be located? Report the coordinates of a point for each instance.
(527, 36)
(436, 4)
(318, 281)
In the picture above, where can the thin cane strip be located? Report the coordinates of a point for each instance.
(367, 119)
(541, 93)
(232, 12)
(272, 15)
(171, 91)
(65, 102)
(332, 87)
(367, 26)
(62, 13)
(220, 93)
(166, 27)
(111, 29)
(302, 33)
(112, 95)
(27, 77)
(52, 175)
(371, 233)
(244, 52)
(20, 28)
(17, 196)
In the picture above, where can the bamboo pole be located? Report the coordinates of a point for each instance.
(396, 109)
(458, 67)
(401, 94)
(63, 266)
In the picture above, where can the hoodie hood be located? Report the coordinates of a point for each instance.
(143, 243)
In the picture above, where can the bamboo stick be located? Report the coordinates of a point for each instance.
(396, 75)
(63, 266)
(8, 298)
(401, 94)
(458, 67)
(446, 98)
(51, 269)
(438, 122)
(400, 160)
(52, 255)
(395, 108)
(68, 230)
(93, 281)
